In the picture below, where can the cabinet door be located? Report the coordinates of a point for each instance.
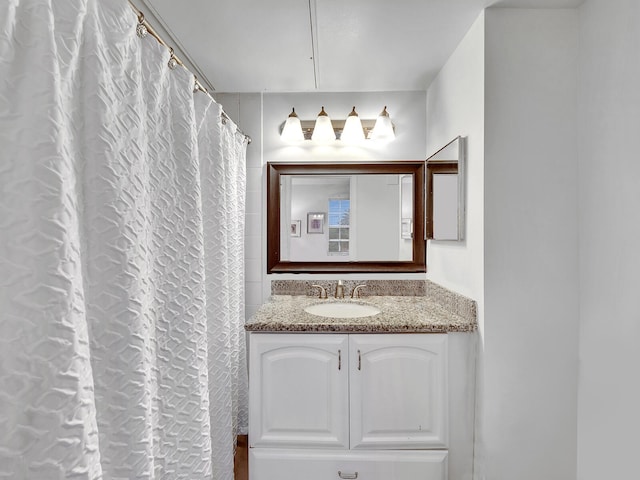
(398, 391)
(298, 390)
(292, 464)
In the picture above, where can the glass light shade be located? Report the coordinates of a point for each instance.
(383, 129)
(352, 131)
(292, 130)
(323, 130)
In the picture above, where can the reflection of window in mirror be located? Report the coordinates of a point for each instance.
(339, 213)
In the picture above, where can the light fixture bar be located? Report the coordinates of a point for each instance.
(338, 126)
(327, 130)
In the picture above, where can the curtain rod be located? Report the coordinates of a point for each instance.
(198, 87)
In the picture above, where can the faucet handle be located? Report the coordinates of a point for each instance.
(356, 291)
(323, 291)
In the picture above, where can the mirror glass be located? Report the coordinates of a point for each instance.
(346, 217)
(333, 218)
(445, 192)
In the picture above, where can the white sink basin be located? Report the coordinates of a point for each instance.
(342, 310)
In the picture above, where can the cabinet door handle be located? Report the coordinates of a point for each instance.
(339, 359)
(348, 475)
(359, 362)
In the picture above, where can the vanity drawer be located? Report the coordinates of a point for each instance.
(281, 464)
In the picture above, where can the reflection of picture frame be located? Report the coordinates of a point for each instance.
(315, 222)
(407, 228)
(295, 228)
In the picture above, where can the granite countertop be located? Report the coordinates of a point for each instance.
(398, 314)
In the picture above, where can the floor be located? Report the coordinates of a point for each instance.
(241, 463)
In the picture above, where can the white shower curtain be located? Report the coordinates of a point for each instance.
(121, 254)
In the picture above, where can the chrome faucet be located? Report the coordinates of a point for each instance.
(356, 291)
(323, 291)
(339, 290)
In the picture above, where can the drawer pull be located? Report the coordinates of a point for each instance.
(339, 359)
(359, 361)
(348, 475)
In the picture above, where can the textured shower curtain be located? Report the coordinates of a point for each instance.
(121, 254)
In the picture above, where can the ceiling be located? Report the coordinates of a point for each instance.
(319, 45)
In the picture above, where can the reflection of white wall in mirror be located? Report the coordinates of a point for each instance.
(286, 218)
(451, 151)
(377, 202)
(406, 207)
(312, 195)
(445, 207)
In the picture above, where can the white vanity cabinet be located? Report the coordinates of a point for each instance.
(298, 391)
(325, 405)
(398, 391)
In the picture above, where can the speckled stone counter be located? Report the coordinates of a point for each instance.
(398, 314)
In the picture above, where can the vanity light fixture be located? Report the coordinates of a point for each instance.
(352, 132)
(325, 130)
(292, 130)
(383, 129)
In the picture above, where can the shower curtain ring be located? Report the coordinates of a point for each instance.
(173, 63)
(141, 28)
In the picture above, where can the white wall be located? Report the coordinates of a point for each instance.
(609, 142)
(377, 217)
(561, 176)
(530, 242)
(455, 106)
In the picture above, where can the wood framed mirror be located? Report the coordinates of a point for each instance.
(351, 217)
